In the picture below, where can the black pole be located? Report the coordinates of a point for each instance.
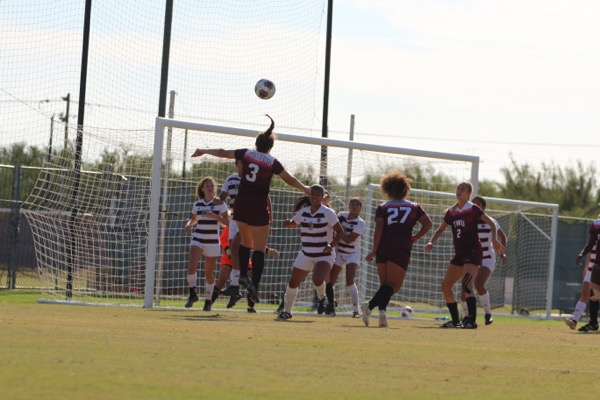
(78, 146)
(164, 73)
(323, 172)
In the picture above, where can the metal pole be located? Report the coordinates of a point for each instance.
(324, 133)
(349, 169)
(66, 119)
(49, 157)
(14, 222)
(164, 73)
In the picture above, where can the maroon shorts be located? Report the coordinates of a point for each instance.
(470, 256)
(252, 210)
(595, 278)
(389, 253)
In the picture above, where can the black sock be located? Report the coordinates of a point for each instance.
(387, 293)
(329, 293)
(250, 302)
(594, 305)
(258, 265)
(215, 294)
(453, 308)
(375, 301)
(244, 254)
(472, 308)
(193, 290)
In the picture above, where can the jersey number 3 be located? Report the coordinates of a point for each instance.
(251, 177)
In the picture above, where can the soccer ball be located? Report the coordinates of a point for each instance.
(265, 89)
(406, 312)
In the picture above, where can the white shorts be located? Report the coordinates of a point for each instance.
(343, 259)
(489, 263)
(306, 263)
(233, 228)
(210, 250)
(588, 274)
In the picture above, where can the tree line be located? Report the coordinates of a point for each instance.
(574, 188)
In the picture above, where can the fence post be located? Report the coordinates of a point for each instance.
(14, 223)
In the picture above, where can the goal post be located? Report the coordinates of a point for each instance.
(524, 284)
(368, 158)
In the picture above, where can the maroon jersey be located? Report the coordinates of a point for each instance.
(464, 226)
(399, 218)
(257, 170)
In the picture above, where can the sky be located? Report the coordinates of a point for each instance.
(496, 79)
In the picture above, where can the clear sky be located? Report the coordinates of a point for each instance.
(489, 78)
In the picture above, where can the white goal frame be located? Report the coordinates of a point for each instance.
(157, 187)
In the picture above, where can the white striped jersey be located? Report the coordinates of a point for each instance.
(356, 225)
(316, 230)
(231, 187)
(207, 229)
(594, 231)
(485, 238)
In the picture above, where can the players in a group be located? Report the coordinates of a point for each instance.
(320, 231)
(392, 241)
(488, 262)
(587, 296)
(252, 208)
(207, 215)
(348, 253)
(463, 217)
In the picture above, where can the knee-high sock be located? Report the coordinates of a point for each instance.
(244, 253)
(353, 292)
(215, 294)
(258, 265)
(465, 309)
(579, 309)
(484, 299)
(234, 277)
(374, 302)
(330, 294)
(289, 298)
(320, 291)
(388, 291)
(453, 308)
(472, 307)
(209, 291)
(192, 278)
(594, 305)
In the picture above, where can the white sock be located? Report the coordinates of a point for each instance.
(289, 298)
(192, 280)
(234, 276)
(579, 309)
(210, 287)
(465, 308)
(484, 299)
(353, 292)
(321, 291)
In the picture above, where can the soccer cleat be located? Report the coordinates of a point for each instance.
(245, 282)
(284, 316)
(355, 314)
(366, 313)
(451, 325)
(383, 322)
(279, 308)
(231, 291)
(588, 328)
(233, 300)
(321, 306)
(571, 323)
(273, 253)
(330, 310)
(207, 305)
(191, 300)
(253, 292)
(251, 310)
(469, 325)
(488, 319)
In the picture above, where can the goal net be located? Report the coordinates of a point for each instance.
(523, 284)
(125, 244)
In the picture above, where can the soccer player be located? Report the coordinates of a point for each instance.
(463, 217)
(318, 225)
(208, 212)
(588, 295)
(488, 263)
(392, 241)
(252, 208)
(348, 253)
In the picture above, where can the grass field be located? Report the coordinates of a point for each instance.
(76, 352)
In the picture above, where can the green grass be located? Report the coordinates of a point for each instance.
(54, 351)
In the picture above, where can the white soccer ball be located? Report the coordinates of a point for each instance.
(406, 312)
(265, 89)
